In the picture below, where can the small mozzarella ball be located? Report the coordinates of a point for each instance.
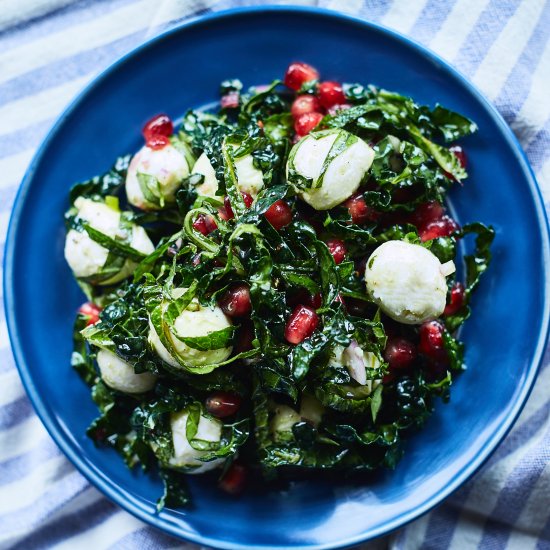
(120, 375)
(209, 429)
(195, 321)
(86, 257)
(343, 175)
(168, 165)
(249, 178)
(407, 281)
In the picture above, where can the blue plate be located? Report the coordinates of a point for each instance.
(182, 68)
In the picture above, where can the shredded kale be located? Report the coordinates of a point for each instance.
(302, 406)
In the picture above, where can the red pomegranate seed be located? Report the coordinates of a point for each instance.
(298, 74)
(340, 107)
(236, 301)
(330, 94)
(223, 404)
(279, 214)
(230, 100)
(306, 103)
(226, 213)
(90, 310)
(456, 299)
(425, 213)
(307, 122)
(360, 212)
(234, 480)
(399, 353)
(205, 224)
(301, 324)
(388, 378)
(157, 130)
(338, 250)
(431, 341)
(443, 227)
(459, 153)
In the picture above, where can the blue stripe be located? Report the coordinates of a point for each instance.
(21, 140)
(484, 33)
(64, 71)
(16, 412)
(18, 467)
(539, 150)
(518, 85)
(430, 20)
(145, 538)
(514, 495)
(75, 14)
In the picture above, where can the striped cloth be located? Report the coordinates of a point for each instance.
(50, 50)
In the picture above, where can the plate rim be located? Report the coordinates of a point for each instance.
(109, 488)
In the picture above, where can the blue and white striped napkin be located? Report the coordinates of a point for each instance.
(50, 50)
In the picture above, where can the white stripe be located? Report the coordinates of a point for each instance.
(4, 220)
(483, 497)
(4, 338)
(104, 535)
(11, 388)
(76, 39)
(535, 111)
(412, 536)
(456, 28)
(13, 167)
(348, 6)
(505, 51)
(22, 438)
(39, 107)
(23, 492)
(403, 15)
(81, 501)
(543, 177)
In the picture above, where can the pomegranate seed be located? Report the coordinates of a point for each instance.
(307, 122)
(236, 301)
(301, 324)
(157, 130)
(388, 378)
(244, 338)
(425, 213)
(90, 310)
(205, 224)
(360, 212)
(298, 74)
(230, 100)
(305, 104)
(226, 213)
(399, 353)
(443, 227)
(330, 94)
(223, 404)
(456, 299)
(459, 153)
(279, 214)
(234, 480)
(340, 107)
(431, 341)
(338, 250)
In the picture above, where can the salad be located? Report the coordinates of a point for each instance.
(272, 288)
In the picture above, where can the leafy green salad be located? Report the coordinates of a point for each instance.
(272, 286)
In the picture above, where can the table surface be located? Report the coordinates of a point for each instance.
(49, 50)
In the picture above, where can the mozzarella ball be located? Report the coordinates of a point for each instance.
(195, 321)
(86, 257)
(249, 178)
(407, 281)
(120, 375)
(281, 423)
(167, 165)
(209, 429)
(342, 176)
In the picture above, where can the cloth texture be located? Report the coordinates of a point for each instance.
(51, 50)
